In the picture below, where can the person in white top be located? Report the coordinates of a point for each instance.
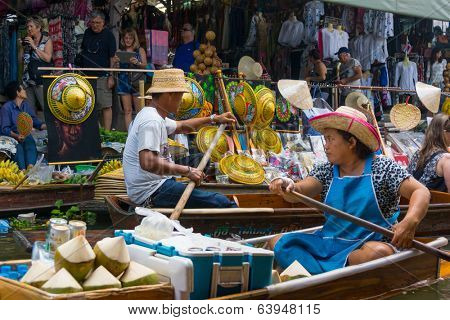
(350, 72)
(147, 164)
(437, 68)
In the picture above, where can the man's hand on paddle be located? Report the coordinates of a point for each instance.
(195, 175)
(403, 233)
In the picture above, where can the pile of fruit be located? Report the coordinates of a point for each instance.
(206, 59)
(78, 268)
(110, 166)
(446, 105)
(10, 173)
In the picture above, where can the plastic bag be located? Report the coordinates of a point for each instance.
(42, 175)
(154, 226)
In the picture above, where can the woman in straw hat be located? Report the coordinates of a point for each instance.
(356, 181)
(431, 164)
(147, 163)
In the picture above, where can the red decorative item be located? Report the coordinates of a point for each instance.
(24, 124)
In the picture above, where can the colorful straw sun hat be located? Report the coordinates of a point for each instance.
(242, 169)
(296, 92)
(176, 149)
(245, 103)
(267, 139)
(405, 116)
(430, 96)
(231, 89)
(204, 138)
(71, 98)
(349, 120)
(265, 109)
(250, 68)
(192, 102)
(24, 124)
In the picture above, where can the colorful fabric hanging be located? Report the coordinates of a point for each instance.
(157, 46)
(55, 32)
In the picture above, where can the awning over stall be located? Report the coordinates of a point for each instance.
(430, 9)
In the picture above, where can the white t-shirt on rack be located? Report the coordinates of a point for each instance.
(148, 131)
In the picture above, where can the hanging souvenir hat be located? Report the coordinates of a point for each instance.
(176, 149)
(250, 68)
(231, 90)
(268, 140)
(282, 109)
(430, 96)
(192, 102)
(349, 120)
(296, 92)
(206, 110)
(242, 169)
(24, 124)
(352, 99)
(363, 105)
(71, 98)
(405, 116)
(204, 138)
(245, 103)
(265, 109)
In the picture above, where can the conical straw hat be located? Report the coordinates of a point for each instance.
(296, 92)
(430, 96)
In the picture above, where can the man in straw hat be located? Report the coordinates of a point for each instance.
(147, 163)
(355, 181)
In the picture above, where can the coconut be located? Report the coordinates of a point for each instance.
(208, 61)
(138, 275)
(202, 47)
(196, 53)
(62, 282)
(112, 253)
(202, 67)
(76, 256)
(199, 59)
(209, 52)
(210, 35)
(193, 68)
(101, 279)
(38, 274)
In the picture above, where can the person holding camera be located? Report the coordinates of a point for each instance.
(128, 82)
(37, 52)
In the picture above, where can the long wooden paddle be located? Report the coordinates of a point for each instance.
(368, 225)
(226, 104)
(191, 185)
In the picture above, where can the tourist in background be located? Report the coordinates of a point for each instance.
(438, 66)
(98, 51)
(350, 73)
(183, 55)
(128, 82)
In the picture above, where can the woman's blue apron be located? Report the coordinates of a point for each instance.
(328, 249)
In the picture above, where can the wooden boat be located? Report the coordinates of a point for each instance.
(376, 279)
(43, 196)
(264, 214)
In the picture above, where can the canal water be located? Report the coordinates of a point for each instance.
(11, 250)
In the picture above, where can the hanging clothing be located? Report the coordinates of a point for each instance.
(329, 43)
(406, 75)
(158, 46)
(311, 14)
(291, 33)
(55, 33)
(349, 19)
(251, 39)
(328, 249)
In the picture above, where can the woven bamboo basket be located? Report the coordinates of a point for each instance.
(405, 116)
(15, 290)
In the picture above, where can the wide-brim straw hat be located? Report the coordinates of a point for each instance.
(405, 116)
(245, 103)
(176, 149)
(192, 102)
(24, 124)
(71, 98)
(204, 138)
(268, 140)
(430, 96)
(349, 120)
(168, 80)
(242, 169)
(296, 92)
(265, 110)
(250, 68)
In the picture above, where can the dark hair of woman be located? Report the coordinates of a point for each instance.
(434, 55)
(315, 54)
(362, 151)
(434, 138)
(11, 89)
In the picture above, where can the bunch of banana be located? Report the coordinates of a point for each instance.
(10, 173)
(110, 166)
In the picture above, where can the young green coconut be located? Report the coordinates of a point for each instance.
(38, 274)
(62, 282)
(76, 256)
(138, 275)
(112, 253)
(101, 279)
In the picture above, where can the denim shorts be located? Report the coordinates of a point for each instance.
(124, 86)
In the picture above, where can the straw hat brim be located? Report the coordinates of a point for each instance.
(361, 129)
(252, 174)
(167, 90)
(296, 92)
(430, 96)
(352, 99)
(250, 68)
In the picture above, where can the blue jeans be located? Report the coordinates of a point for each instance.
(170, 192)
(26, 153)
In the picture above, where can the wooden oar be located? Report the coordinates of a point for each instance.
(368, 225)
(190, 187)
(226, 104)
(97, 170)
